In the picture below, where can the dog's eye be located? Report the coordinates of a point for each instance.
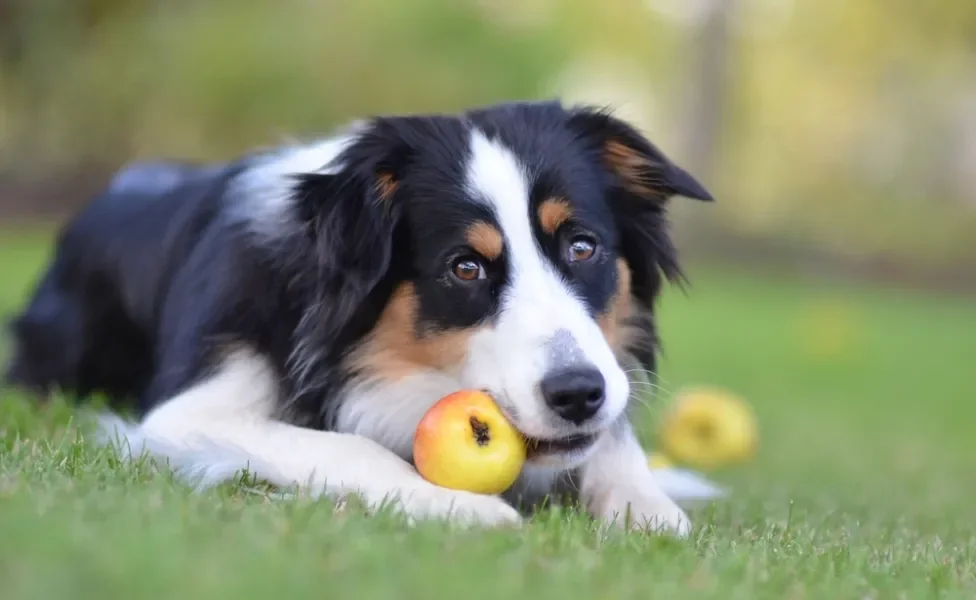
(581, 248)
(468, 269)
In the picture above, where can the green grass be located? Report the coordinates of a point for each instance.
(863, 486)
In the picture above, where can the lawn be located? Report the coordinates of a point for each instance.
(863, 486)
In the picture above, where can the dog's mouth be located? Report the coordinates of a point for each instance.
(542, 448)
(552, 450)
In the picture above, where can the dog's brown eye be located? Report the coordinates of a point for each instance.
(468, 269)
(581, 248)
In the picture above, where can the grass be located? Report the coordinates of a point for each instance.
(863, 486)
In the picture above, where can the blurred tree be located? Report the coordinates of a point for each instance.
(845, 127)
(711, 47)
(11, 34)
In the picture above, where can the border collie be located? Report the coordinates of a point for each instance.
(294, 313)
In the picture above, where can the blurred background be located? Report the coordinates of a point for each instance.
(839, 136)
(831, 281)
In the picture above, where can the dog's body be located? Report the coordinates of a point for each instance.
(296, 312)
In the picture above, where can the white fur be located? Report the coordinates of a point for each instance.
(389, 412)
(224, 425)
(617, 485)
(264, 192)
(510, 358)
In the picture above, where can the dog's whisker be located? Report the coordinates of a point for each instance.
(653, 387)
(647, 375)
(642, 400)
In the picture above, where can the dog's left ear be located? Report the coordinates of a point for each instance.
(641, 182)
(637, 165)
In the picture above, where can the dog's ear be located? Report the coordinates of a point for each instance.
(641, 181)
(337, 269)
(350, 212)
(637, 165)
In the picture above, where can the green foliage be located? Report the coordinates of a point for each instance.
(215, 78)
(846, 124)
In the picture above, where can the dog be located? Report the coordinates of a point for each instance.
(293, 313)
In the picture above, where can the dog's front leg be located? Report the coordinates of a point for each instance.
(223, 425)
(617, 485)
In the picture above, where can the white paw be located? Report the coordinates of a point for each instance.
(463, 508)
(642, 509)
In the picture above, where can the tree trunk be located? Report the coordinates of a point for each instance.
(710, 47)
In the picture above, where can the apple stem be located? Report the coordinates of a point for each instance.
(480, 431)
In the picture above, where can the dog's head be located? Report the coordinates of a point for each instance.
(516, 249)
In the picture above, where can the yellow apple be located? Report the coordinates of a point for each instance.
(464, 442)
(708, 428)
(657, 460)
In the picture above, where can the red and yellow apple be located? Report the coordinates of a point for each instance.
(464, 442)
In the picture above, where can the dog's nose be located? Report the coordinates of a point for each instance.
(574, 394)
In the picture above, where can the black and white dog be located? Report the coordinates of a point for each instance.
(296, 312)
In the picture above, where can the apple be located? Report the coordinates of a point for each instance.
(464, 442)
(658, 460)
(709, 427)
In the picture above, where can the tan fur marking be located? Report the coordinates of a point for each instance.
(394, 351)
(385, 185)
(486, 240)
(613, 322)
(553, 213)
(635, 169)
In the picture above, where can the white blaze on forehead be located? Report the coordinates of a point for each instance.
(496, 177)
(537, 303)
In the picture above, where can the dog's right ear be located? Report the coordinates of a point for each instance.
(351, 217)
(350, 212)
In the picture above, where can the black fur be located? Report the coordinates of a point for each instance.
(164, 270)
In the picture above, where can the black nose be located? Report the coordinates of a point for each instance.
(574, 394)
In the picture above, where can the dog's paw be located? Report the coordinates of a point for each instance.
(462, 508)
(642, 508)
